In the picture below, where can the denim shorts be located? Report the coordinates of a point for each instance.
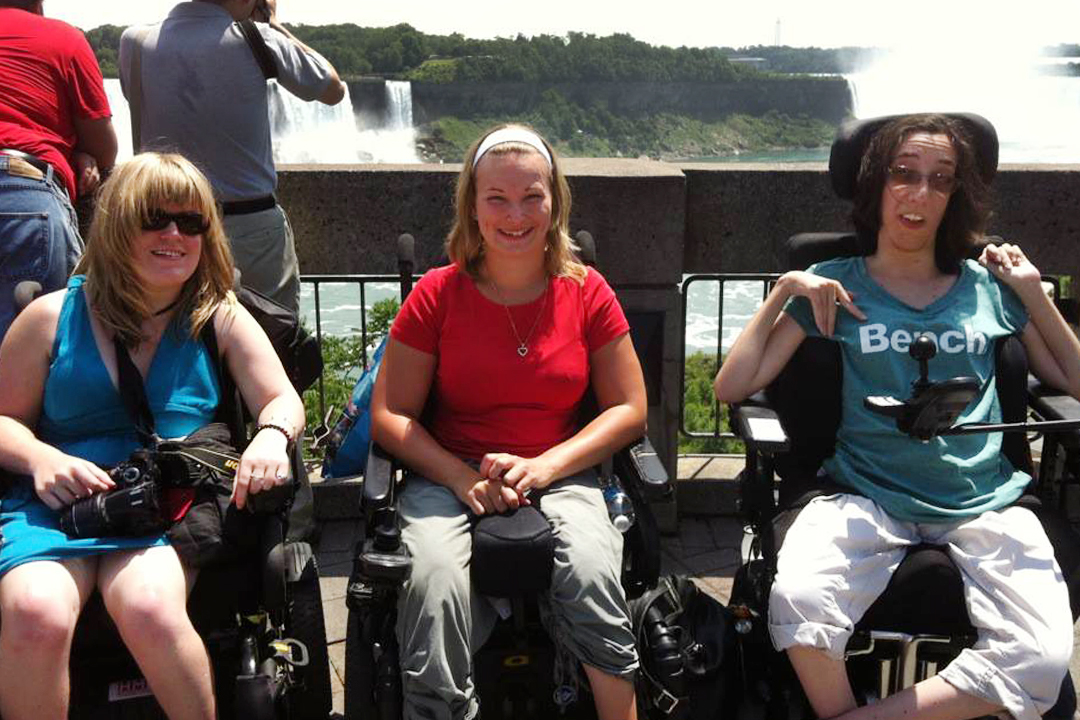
(39, 236)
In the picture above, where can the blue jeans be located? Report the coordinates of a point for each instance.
(39, 235)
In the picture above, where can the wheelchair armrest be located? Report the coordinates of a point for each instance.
(759, 427)
(639, 465)
(378, 490)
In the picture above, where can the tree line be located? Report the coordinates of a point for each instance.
(403, 51)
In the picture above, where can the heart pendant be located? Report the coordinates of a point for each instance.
(522, 350)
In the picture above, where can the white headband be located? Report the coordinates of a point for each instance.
(509, 135)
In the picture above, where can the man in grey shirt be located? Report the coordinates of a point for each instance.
(201, 92)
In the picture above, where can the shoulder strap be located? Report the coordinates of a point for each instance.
(133, 395)
(229, 409)
(258, 48)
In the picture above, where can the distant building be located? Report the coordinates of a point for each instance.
(758, 63)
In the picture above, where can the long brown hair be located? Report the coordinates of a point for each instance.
(968, 210)
(464, 244)
(147, 182)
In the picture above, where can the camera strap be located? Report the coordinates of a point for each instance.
(133, 395)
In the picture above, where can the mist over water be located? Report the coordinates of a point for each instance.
(311, 132)
(1037, 116)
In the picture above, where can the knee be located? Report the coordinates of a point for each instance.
(40, 622)
(148, 615)
(437, 572)
(796, 599)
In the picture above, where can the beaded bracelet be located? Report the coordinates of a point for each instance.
(273, 426)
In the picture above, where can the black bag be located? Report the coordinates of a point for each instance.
(686, 641)
(213, 529)
(513, 553)
(298, 350)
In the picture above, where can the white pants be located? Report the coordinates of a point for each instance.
(841, 551)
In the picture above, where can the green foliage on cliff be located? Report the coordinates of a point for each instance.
(343, 361)
(595, 131)
(700, 409)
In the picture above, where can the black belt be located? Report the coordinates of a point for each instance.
(246, 207)
(28, 158)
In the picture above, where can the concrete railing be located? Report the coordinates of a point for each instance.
(653, 222)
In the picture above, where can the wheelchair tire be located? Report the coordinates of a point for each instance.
(311, 699)
(359, 667)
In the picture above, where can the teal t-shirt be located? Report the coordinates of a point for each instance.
(947, 478)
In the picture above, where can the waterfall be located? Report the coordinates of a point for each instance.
(311, 132)
(399, 104)
(1036, 114)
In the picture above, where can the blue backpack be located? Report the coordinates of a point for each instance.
(347, 444)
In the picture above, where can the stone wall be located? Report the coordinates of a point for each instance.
(827, 98)
(823, 98)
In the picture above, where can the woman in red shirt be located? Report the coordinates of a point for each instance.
(504, 343)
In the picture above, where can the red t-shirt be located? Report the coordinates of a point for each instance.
(487, 398)
(48, 77)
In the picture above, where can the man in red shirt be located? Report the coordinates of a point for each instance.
(56, 138)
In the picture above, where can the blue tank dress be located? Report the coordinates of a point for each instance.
(82, 414)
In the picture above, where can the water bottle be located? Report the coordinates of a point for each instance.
(619, 507)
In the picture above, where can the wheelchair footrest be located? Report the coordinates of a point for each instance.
(903, 659)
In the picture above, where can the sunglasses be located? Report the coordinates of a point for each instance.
(188, 223)
(904, 180)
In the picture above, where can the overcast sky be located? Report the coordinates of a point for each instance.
(824, 23)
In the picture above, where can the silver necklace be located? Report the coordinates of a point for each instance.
(523, 345)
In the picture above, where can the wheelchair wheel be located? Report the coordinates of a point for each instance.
(311, 697)
(359, 667)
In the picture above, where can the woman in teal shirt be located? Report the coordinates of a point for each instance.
(921, 203)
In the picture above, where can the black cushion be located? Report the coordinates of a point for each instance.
(513, 553)
(854, 136)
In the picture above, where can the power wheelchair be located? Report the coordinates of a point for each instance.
(259, 614)
(920, 622)
(513, 671)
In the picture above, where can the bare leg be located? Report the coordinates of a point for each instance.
(145, 591)
(614, 696)
(40, 603)
(931, 699)
(824, 680)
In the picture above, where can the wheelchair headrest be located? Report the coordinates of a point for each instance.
(854, 136)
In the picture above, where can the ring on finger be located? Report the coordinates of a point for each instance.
(281, 474)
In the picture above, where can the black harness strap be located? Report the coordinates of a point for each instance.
(133, 395)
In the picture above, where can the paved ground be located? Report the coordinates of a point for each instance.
(705, 547)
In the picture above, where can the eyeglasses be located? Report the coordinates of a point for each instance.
(188, 223)
(904, 180)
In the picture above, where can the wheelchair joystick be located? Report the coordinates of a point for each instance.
(933, 406)
(922, 350)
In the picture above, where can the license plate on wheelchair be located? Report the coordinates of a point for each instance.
(128, 690)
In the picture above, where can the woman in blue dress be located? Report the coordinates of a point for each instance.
(157, 268)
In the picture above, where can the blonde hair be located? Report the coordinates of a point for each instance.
(464, 244)
(145, 183)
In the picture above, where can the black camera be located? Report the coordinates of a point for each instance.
(132, 508)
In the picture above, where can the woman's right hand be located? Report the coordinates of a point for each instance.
(61, 479)
(484, 496)
(825, 296)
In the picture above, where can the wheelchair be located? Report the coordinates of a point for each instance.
(259, 615)
(513, 671)
(920, 622)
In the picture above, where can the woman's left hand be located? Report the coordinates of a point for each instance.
(265, 464)
(1008, 263)
(521, 474)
